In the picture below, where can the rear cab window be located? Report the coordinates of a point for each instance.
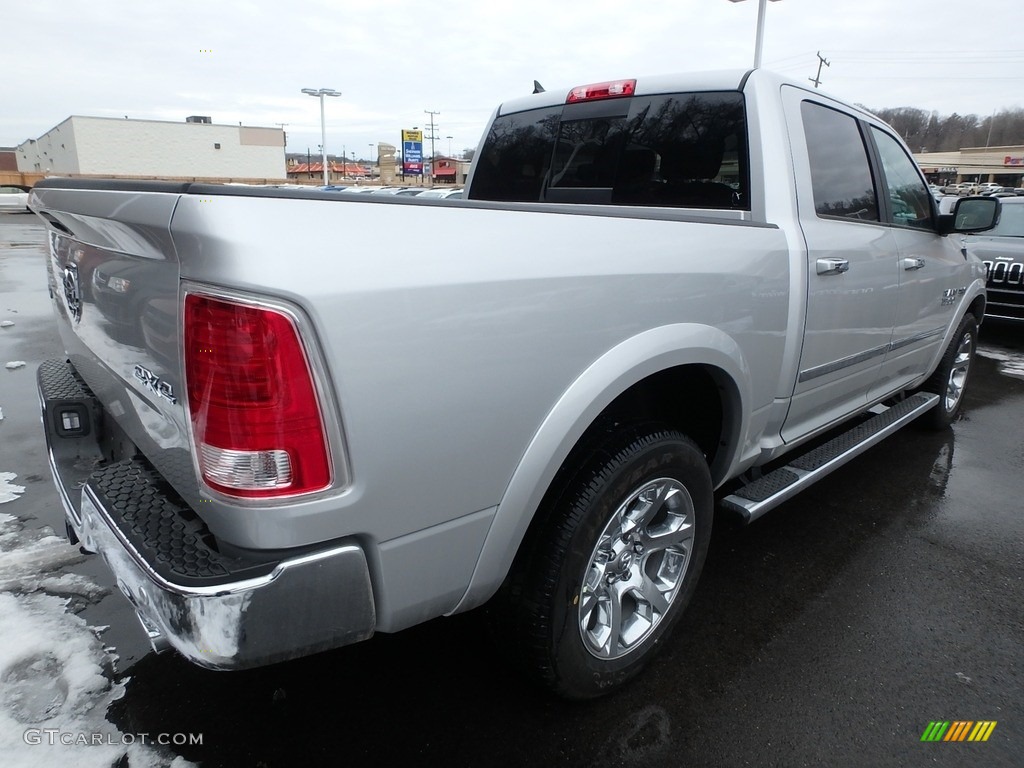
(671, 150)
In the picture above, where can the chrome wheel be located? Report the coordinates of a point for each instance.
(637, 567)
(958, 372)
(949, 379)
(613, 561)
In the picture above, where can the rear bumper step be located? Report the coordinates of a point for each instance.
(767, 492)
(219, 611)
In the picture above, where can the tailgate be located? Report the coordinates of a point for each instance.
(114, 280)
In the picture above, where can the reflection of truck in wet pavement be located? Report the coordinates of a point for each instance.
(668, 291)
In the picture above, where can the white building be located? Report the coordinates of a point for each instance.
(193, 148)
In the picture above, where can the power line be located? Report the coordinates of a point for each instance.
(915, 78)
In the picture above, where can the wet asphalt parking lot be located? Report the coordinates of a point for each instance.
(830, 632)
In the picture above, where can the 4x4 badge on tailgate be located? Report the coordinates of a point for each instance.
(154, 384)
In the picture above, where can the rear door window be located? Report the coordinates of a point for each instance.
(840, 172)
(679, 150)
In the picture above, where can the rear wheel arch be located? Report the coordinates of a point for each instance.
(698, 401)
(688, 377)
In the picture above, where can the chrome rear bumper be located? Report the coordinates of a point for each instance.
(304, 605)
(219, 611)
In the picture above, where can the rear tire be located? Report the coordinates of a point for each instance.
(613, 563)
(950, 379)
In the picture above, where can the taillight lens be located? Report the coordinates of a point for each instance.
(610, 90)
(256, 421)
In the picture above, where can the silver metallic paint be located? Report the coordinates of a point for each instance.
(465, 372)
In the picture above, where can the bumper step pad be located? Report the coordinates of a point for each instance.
(163, 529)
(757, 497)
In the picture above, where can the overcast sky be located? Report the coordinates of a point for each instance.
(247, 61)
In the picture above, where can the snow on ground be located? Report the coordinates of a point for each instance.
(9, 491)
(56, 677)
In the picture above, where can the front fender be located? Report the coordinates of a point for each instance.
(974, 290)
(583, 401)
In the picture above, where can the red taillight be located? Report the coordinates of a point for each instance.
(256, 421)
(612, 90)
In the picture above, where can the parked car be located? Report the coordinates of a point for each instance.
(441, 193)
(391, 190)
(985, 188)
(1002, 251)
(14, 198)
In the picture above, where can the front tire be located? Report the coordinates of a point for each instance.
(950, 379)
(614, 562)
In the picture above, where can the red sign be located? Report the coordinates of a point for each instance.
(1008, 160)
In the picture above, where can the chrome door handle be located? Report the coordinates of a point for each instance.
(832, 266)
(913, 263)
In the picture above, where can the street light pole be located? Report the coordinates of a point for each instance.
(759, 41)
(321, 92)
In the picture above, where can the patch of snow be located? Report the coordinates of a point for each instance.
(220, 619)
(28, 558)
(56, 676)
(1, 414)
(6, 324)
(14, 365)
(8, 490)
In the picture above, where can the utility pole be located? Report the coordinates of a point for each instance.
(817, 78)
(432, 137)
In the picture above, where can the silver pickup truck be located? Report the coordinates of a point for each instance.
(288, 420)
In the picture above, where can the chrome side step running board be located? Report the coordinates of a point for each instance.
(770, 490)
